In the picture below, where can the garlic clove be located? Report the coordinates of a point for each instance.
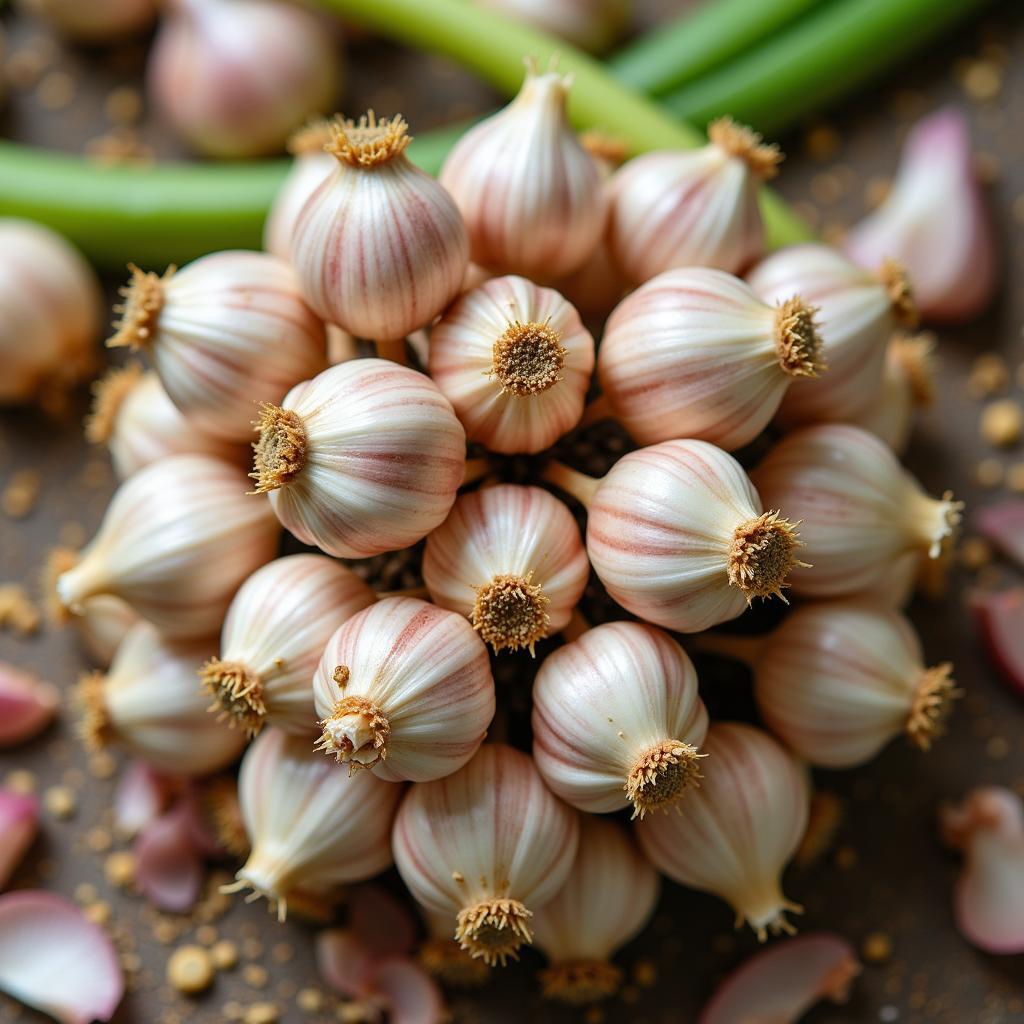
(27, 705)
(1000, 616)
(54, 959)
(168, 866)
(344, 962)
(140, 798)
(99, 21)
(935, 222)
(383, 922)
(19, 823)
(409, 993)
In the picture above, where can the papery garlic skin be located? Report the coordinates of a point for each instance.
(19, 824)
(311, 826)
(367, 457)
(511, 559)
(235, 77)
(97, 21)
(617, 720)
(532, 199)
(275, 631)
(404, 688)
(226, 332)
(858, 312)
(490, 879)
(150, 704)
(695, 353)
(515, 360)
(175, 543)
(734, 835)
(589, 24)
(691, 209)
(50, 312)
(609, 897)
(863, 517)
(379, 246)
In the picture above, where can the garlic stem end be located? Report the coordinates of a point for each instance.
(493, 930)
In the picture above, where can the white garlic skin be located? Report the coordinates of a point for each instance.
(308, 172)
(385, 459)
(530, 194)
(234, 78)
(311, 826)
(513, 530)
(176, 541)
(589, 24)
(103, 624)
(427, 672)
(278, 624)
(602, 701)
(95, 21)
(50, 312)
(461, 357)
(734, 835)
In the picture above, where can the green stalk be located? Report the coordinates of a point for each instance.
(816, 61)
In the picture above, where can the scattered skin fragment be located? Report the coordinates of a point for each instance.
(21, 493)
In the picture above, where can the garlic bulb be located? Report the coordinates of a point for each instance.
(227, 332)
(862, 515)
(235, 77)
(531, 196)
(733, 836)
(404, 688)
(589, 24)
(511, 559)
(133, 416)
(379, 246)
(695, 353)
(177, 539)
(98, 21)
(617, 720)
(858, 312)
(50, 312)
(311, 827)
(366, 457)
(454, 861)
(678, 535)
(609, 897)
(274, 633)
(515, 360)
(692, 209)
(150, 705)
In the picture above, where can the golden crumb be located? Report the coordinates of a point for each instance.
(1002, 423)
(55, 90)
(99, 839)
(846, 858)
(822, 143)
(262, 1013)
(21, 780)
(1015, 478)
(21, 493)
(982, 80)
(206, 934)
(225, 955)
(310, 1000)
(99, 912)
(282, 952)
(60, 802)
(876, 948)
(255, 975)
(190, 970)
(645, 973)
(997, 748)
(975, 553)
(119, 869)
(988, 376)
(17, 611)
(123, 105)
(989, 473)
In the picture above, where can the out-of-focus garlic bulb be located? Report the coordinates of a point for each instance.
(692, 209)
(366, 457)
(490, 880)
(274, 634)
(609, 897)
(103, 624)
(175, 543)
(531, 196)
(150, 705)
(441, 955)
(311, 827)
(225, 333)
(734, 835)
(235, 77)
(50, 312)
(511, 559)
(379, 246)
(515, 361)
(404, 688)
(862, 514)
(858, 311)
(133, 416)
(98, 21)
(695, 353)
(589, 24)
(617, 720)
(678, 534)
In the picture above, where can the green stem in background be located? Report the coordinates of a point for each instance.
(817, 60)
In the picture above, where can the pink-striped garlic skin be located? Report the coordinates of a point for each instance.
(695, 353)
(379, 246)
(27, 705)
(532, 199)
(668, 530)
(309, 170)
(511, 559)
(311, 827)
(226, 332)
(19, 823)
(589, 24)
(863, 517)
(488, 846)
(273, 636)
(176, 541)
(404, 688)
(858, 311)
(617, 720)
(367, 457)
(734, 835)
(98, 21)
(515, 360)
